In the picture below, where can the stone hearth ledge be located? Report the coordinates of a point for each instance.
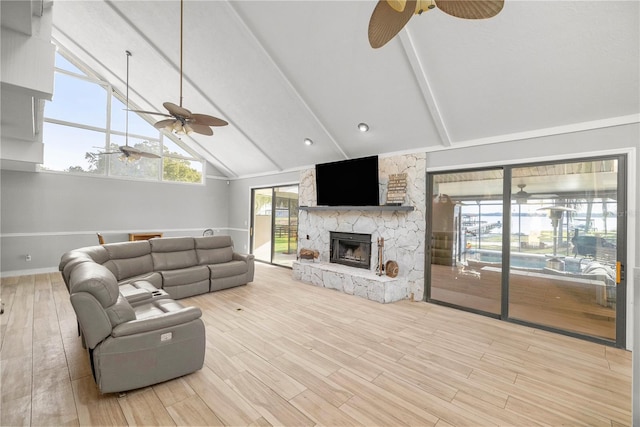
(352, 281)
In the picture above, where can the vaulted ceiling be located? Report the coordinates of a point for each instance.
(282, 71)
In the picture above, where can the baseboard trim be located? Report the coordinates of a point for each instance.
(14, 273)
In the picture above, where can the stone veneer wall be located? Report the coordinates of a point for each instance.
(403, 232)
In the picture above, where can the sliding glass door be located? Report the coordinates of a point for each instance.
(466, 239)
(562, 271)
(535, 244)
(274, 224)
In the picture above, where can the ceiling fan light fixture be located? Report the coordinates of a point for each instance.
(363, 127)
(187, 129)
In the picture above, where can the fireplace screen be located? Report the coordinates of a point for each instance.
(352, 249)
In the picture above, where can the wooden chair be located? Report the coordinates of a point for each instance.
(100, 239)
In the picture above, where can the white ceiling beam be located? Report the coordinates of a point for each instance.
(285, 79)
(425, 87)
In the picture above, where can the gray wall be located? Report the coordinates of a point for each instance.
(240, 203)
(46, 214)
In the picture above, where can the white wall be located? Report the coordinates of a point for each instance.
(46, 214)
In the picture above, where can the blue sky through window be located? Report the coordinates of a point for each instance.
(78, 101)
(69, 145)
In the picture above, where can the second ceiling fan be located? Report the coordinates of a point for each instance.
(390, 16)
(183, 121)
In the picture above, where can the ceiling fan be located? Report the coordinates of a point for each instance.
(522, 196)
(126, 151)
(183, 121)
(390, 16)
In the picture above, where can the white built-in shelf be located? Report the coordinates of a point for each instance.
(357, 208)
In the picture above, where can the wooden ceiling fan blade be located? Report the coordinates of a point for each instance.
(471, 9)
(176, 110)
(204, 119)
(386, 22)
(201, 129)
(164, 123)
(128, 150)
(148, 155)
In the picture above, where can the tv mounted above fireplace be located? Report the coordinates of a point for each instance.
(352, 182)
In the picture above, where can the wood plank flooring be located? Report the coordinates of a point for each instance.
(280, 352)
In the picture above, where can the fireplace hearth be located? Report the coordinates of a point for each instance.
(352, 249)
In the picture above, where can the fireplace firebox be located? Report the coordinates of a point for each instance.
(352, 249)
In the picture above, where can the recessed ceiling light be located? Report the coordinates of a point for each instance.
(308, 141)
(363, 127)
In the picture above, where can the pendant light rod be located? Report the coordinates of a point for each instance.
(126, 121)
(181, 20)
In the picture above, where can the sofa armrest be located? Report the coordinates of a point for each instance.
(242, 257)
(135, 295)
(249, 259)
(166, 320)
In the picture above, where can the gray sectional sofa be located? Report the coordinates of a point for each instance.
(123, 296)
(181, 266)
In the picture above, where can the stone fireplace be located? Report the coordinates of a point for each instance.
(401, 227)
(352, 249)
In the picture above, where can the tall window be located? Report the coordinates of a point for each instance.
(84, 126)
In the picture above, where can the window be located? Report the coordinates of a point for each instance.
(86, 124)
(540, 244)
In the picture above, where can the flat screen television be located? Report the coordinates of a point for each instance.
(352, 182)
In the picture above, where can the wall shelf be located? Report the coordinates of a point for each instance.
(357, 208)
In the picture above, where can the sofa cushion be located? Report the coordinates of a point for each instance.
(214, 256)
(172, 253)
(228, 269)
(184, 276)
(214, 249)
(120, 312)
(128, 259)
(213, 242)
(95, 253)
(96, 280)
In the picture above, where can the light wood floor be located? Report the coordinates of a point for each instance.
(280, 352)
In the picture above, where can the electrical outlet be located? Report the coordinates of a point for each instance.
(27, 258)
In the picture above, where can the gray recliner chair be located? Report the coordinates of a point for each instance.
(133, 347)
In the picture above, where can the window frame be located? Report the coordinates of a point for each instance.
(91, 77)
